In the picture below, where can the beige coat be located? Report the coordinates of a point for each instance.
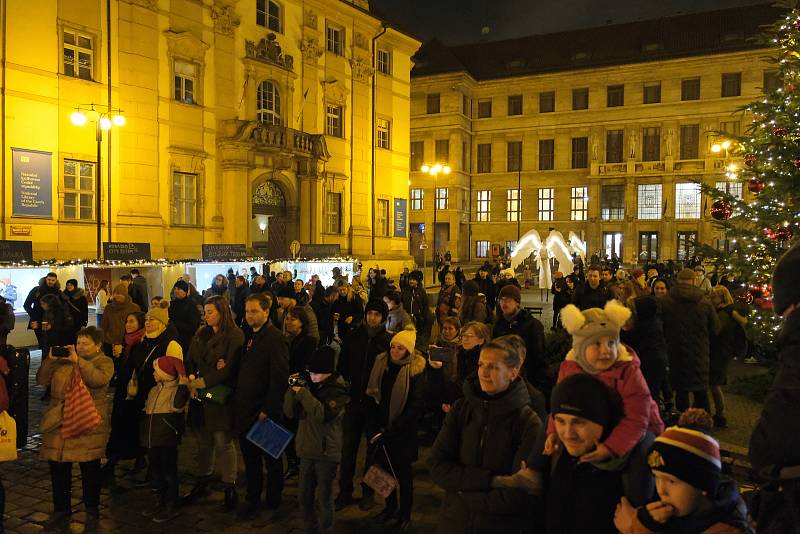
(114, 317)
(57, 373)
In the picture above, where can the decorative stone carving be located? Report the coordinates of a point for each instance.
(269, 194)
(361, 41)
(335, 92)
(225, 19)
(311, 49)
(362, 69)
(186, 45)
(310, 19)
(269, 51)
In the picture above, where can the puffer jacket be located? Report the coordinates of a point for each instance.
(163, 422)
(114, 317)
(96, 372)
(320, 408)
(484, 437)
(397, 320)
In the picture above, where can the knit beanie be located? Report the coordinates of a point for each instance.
(120, 289)
(181, 284)
(584, 396)
(322, 361)
(786, 280)
(160, 312)
(470, 288)
(688, 453)
(586, 326)
(168, 367)
(379, 306)
(510, 291)
(73, 281)
(686, 274)
(407, 338)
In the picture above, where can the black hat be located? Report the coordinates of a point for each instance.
(584, 396)
(286, 291)
(73, 281)
(378, 306)
(322, 361)
(416, 275)
(181, 284)
(786, 280)
(471, 288)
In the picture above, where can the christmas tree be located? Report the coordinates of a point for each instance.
(763, 222)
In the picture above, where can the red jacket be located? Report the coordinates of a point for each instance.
(641, 411)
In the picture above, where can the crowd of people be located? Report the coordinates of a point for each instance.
(516, 447)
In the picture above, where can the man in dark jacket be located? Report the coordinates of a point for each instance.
(183, 313)
(322, 304)
(689, 322)
(240, 294)
(261, 385)
(141, 285)
(358, 354)
(135, 292)
(486, 285)
(592, 294)
(47, 286)
(415, 302)
(350, 307)
(514, 320)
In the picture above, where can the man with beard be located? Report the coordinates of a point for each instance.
(47, 286)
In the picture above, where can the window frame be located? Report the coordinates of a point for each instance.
(384, 64)
(333, 226)
(580, 95)
(333, 44)
(728, 78)
(78, 190)
(645, 245)
(383, 133)
(441, 155)
(651, 93)
(645, 210)
(433, 103)
(77, 49)
(262, 100)
(417, 197)
(651, 143)
(579, 203)
(268, 17)
(330, 118)
(615, 93)
(513, 205)
(179, 203)
(685, 210)
(482, 248)
(416, 157)
(180, 80)
(485, 108)
(609, 209)
(546, 203)
(690, 144)
(441, 198)
(483, 205)
(382, 215)
(684, 249)
(547, 102)
(513, 157)
(580, 155)
(515, 105)
(688, 89)
(484, 160)
(547, 160)
(618, 156)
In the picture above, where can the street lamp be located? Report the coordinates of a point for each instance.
(434, 171)
(104, 120)
(730, 168)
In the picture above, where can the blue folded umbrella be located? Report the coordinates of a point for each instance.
(270, 437)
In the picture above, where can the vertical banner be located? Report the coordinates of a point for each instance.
(32, 178)
(400, 217)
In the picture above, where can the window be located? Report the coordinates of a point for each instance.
(734, 189)
(465, 105)
(268, 103)
(612, 202)
(78, 55)
(484, 157)
(546, 200)
(651, 93)
(732, 84)
(484, 206)
(690, 89)
(614, 146)
(687, 201)
(442, 150)
(441, 198)
(651, 144)
(580, 98)
(382, 217)
(481, 249)
(466, 160)
(546, 154)
(686, 245)
(333, 213)
(432, 103)
(648, 201)
(334, 124)
(268, 14)
(185, 82)
(184, 199)
(579, 203)
(484, 109)
(514, 156)
(417, 155)
(79, 190)
(510, 246)
(615, 96)
(648, 246)
(772, 81)
(334, 40)
(612, 244)
(515, 105)
(580, 152)
(383, 59)
(690, 141)
(417, 196)
(547, 102)
(513, 205)
(729, 127)
(383, 127)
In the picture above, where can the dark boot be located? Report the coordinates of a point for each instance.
(198, 491)
(231, 498)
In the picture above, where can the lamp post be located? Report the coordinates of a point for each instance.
(434, 171)
(104, 120)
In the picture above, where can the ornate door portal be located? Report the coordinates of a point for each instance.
(268, 227)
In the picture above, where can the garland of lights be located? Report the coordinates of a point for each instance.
(162, 262)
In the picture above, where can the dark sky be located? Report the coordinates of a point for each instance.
(460, 21)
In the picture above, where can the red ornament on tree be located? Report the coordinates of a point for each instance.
(746, 297)
(796, 162)
(782, 233)
(749, 159)
(768, 232)
(790, 88)
(780, 131)
(721, 210)
(754, 185)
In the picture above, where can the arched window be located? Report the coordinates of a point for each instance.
(268, 103)
(268, 14)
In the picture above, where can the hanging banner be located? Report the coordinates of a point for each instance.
(32, 178)
(400, 217)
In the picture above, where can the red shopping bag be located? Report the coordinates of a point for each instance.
(80, 413)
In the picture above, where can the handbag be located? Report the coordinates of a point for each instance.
(379, 480)
(8, 438)
(218, 394)
(80, 414)
(132, 389)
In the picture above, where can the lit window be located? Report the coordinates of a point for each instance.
(78, 55)
(184, 199)
(334, 39)
(441, 198)
(579, 203)
(333, 209)
(268, 14)
(546, 199)
(79, 190)
(334, 124)
(382, 217)
(383, 59)
(185, 82)
(648, 246)
(268, 103)
(685, 249)
(734, 189)
(513, 205)
(481, 249)
(417, 196)
(384, 127)
(649, 201)
(483, 211)
(687, 201)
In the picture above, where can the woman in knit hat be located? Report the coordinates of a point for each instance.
(473, 304)
(396, 386)
(114, 316)
(693, 496)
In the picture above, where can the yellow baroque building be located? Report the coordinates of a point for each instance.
(606, 132)
(247, 122)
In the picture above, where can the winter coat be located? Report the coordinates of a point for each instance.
(309, 319)
(585, 297)
(62, 330)
(689, 322)
(348, 308)
(163, 422)
(472, 309)
(775, 442)
(217, 291)
(114, 317)
(207, 348)
(640, 410)
(647, 340)
(96, 372)
(447, 295)
(262, 379)
(415, 302)
(728, 515)
(237, 305)
(140, 282)
(301, 347)
(484, 437)
(562, 294)
(78, 307)
(32, 306)
(397, 320)
(323, 311)
(359, 350)
(486, 286)
(320, 409)
(531, 331)
(185, 316)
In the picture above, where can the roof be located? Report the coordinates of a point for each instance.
(712, 32)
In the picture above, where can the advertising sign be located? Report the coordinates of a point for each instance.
(32, 178)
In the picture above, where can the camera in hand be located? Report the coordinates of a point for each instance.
(441, 354)
(60, 352)
(298, 380)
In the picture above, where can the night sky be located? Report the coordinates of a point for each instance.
(461, 21)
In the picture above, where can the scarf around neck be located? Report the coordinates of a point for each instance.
(402, 384)
(132, 339)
